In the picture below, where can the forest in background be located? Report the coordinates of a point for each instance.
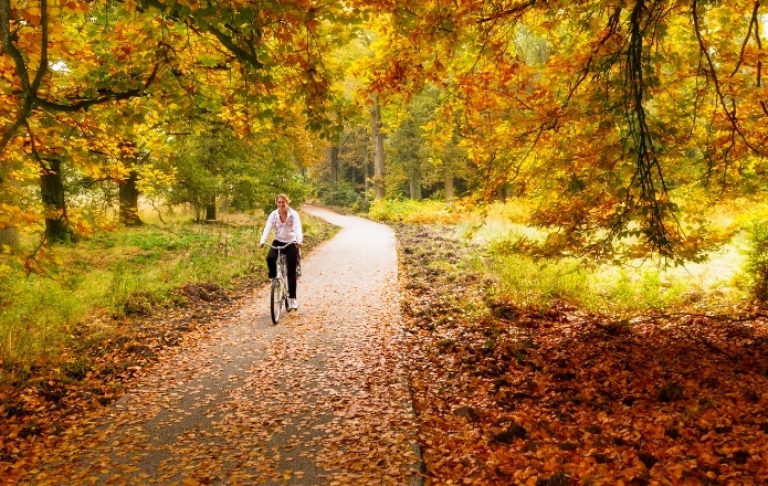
(622, 125)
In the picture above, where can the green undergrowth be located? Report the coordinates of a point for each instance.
(725, 278)
(131, 270)
(415, 212)
(612, 290)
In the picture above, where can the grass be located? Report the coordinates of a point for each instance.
(621, 289)
(39, 313)
(635, 287)
(414, 212)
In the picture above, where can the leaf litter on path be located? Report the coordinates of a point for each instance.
(319, 399)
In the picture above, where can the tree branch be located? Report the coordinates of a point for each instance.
(752, 21)
(516, 9)
(759, 73)
(648, 172)
(30, 98)
(82, 104)
(26, 105)
(224, 39)
(712, 74)
(42, 68)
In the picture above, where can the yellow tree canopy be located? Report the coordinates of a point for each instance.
(614, 113)
(94, 83)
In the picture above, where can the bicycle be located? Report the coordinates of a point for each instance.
(278, 293)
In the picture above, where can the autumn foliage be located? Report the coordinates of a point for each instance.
(619, 123)
(625, 120)
(551, 396)
(96, 92)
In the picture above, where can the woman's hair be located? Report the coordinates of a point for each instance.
(284, 196)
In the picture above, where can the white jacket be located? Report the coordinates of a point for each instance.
(287, 232)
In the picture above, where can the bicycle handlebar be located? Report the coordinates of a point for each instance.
(281, 247)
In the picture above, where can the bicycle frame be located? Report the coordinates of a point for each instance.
(279, 287)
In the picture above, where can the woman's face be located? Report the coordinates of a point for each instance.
(281, 203)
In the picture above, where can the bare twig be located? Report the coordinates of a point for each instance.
(752, 22)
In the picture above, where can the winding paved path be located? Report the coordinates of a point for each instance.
(319, 399)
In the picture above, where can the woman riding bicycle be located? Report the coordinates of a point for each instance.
(287, 226)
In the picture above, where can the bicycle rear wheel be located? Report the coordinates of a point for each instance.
(277, 296)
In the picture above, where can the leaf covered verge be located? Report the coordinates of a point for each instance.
(508, 394)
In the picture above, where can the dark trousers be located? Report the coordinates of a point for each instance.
(291, 258)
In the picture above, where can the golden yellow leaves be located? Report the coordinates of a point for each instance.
(151, 178)
(30, 15)
(76, 5)
(16, 216)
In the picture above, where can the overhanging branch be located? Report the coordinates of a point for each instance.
(513, 10)
(752, 23)
(112, 96)
(30, 98)
(648, 174)
(711, 73)
(227, 41)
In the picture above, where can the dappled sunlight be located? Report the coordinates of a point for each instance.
(719, 274)
(632, 285)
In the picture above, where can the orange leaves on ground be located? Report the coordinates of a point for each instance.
(45, 406)
(555, 396)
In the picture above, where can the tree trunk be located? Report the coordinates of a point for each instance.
(378, 148)
(52, 192)
(509, 191)
(334, 160)
(505, 191)
(129, 201)
(414, 183)
(210, 211)
(9, 236)
(448, 185)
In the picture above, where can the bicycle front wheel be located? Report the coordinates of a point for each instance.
(276, 300)
(287, 304)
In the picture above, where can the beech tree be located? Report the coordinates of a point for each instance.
(68, 67)
(614, 113)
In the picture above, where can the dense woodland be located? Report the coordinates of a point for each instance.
(625, 122)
